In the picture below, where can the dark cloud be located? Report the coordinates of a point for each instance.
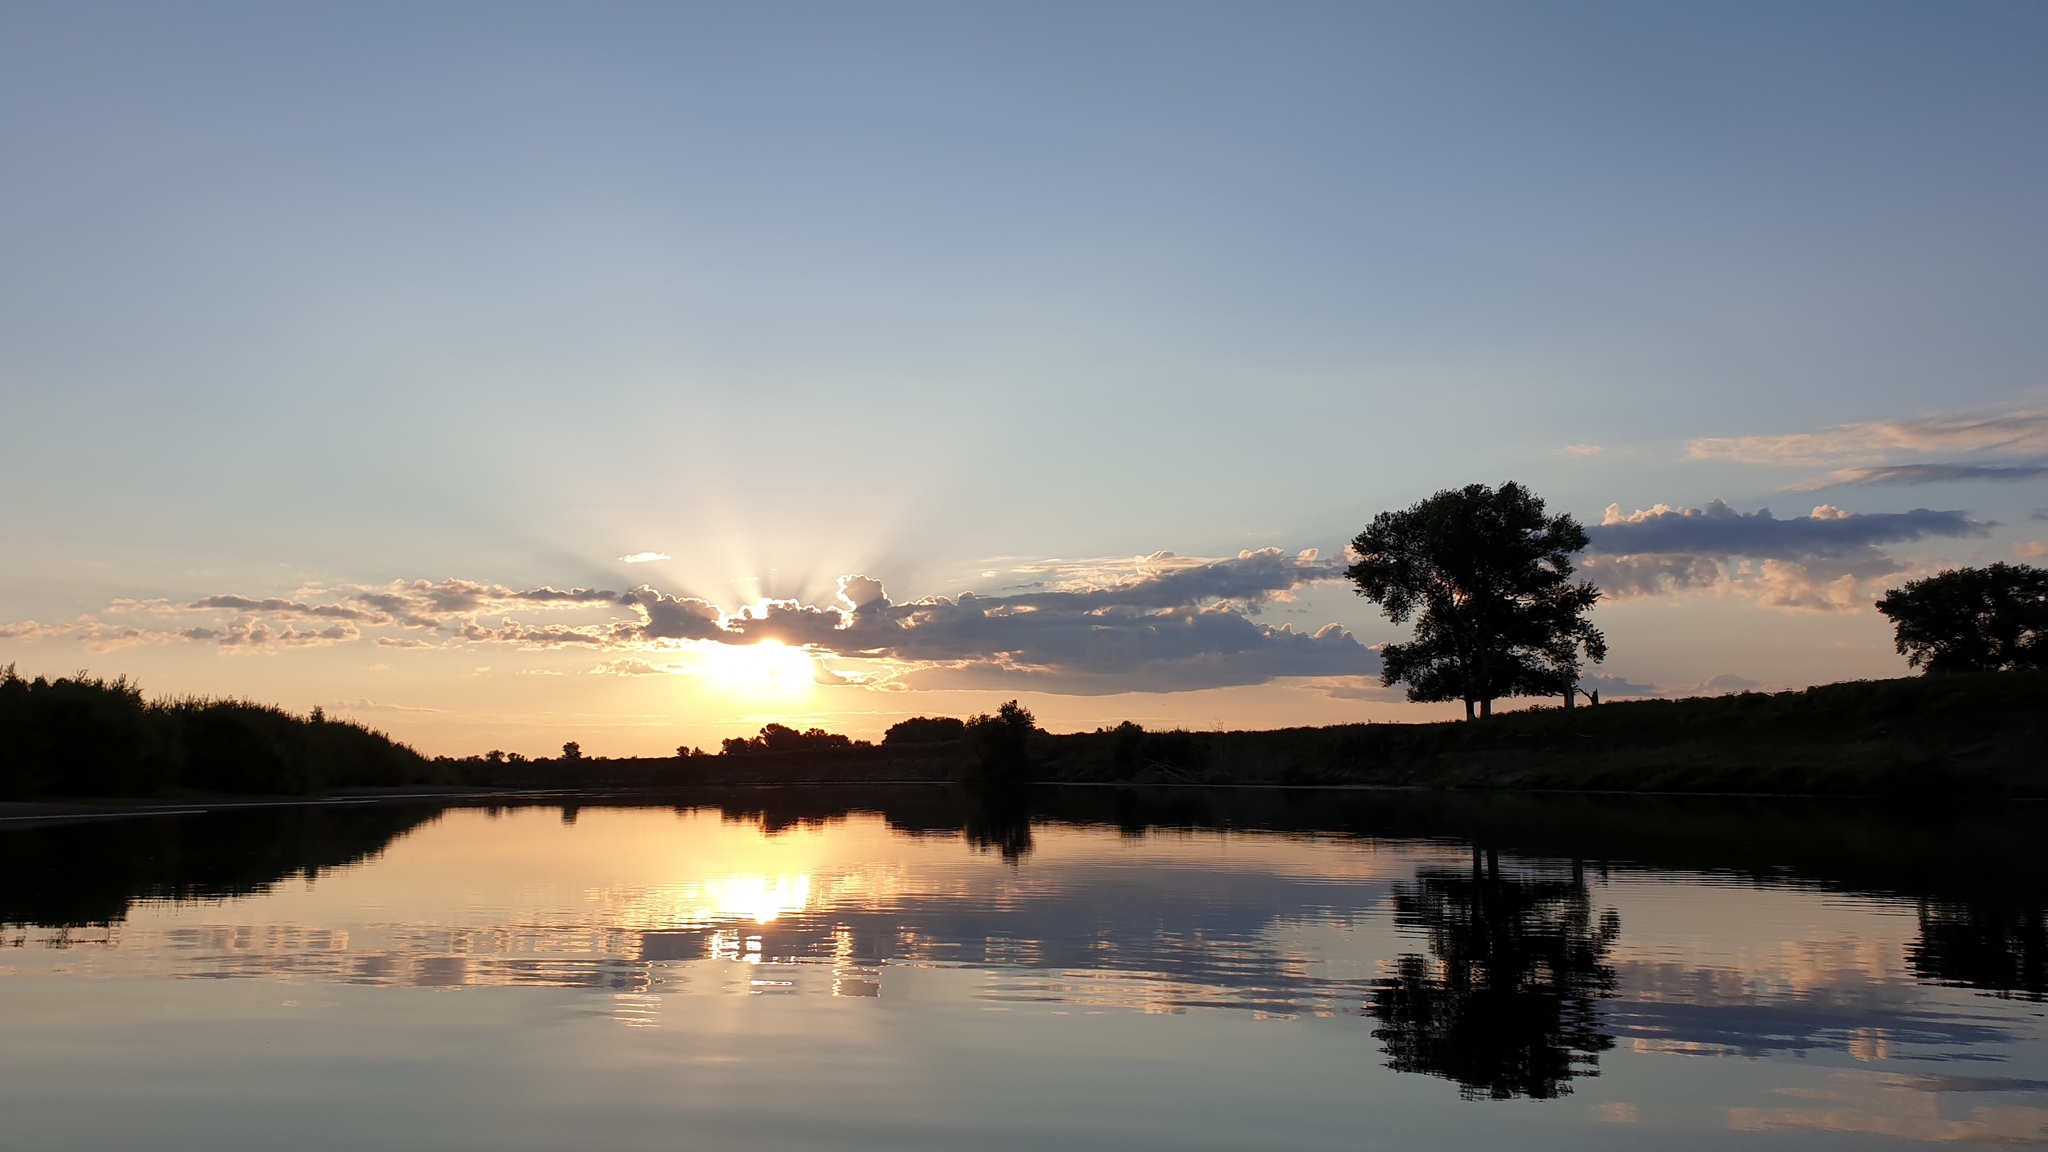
(1180, 625)
(1617, 687)
(278, 607)
(1814, 561)
(1923, 474)
(1720, 530)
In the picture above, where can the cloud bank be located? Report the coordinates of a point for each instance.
(1822, 560)
(1158, 623)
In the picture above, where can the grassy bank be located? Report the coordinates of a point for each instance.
(81, 736)
(1974, 734)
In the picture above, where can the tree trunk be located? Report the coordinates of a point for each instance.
(1485, 706)
(1571, 689)
(1468, 708)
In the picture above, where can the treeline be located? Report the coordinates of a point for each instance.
(1968, 733)
(85, 736)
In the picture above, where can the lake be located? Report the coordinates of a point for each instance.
(1080, 968)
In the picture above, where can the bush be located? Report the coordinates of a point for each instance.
(783, 738)
(926, 730)
(1002, 744)
(83, 736)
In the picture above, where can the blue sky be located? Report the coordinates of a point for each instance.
(299, 301)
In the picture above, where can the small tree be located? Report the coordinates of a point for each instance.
(1488, 578)
(1972, 619)
(572, 751)
(1002, 743)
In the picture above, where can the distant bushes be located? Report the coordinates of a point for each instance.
(84, 736)
(783, 738)
(926, 730)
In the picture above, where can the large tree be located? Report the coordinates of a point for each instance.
(1487, 576)
(1972, 619)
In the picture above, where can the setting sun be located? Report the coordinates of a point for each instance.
(768, 666)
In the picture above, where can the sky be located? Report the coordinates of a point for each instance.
(500, 375)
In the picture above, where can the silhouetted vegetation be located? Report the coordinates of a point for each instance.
(1504, 1004)
(1173, 757)
(1002, 744)
(782, 738)
(1927, 736)
(1991, 619)
(1487, 577)
(84, 736)
(926, 730)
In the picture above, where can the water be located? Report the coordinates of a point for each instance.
(829, 968)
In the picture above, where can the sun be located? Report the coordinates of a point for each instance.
(766, 668)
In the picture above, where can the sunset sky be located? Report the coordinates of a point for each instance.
(501, 375)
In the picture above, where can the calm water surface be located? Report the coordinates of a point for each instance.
(913, 969)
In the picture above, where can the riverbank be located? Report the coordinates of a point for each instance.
(1983, 734)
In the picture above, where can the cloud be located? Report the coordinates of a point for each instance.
(1581, 450)
(645, 557)
(1920, 474)
(629, 666)
(1358, 688)
(1151, 623)
(1819, 561)
(1617, 687)
(279, 607)
(1157, 623)
(260, 636)
(2012, 432)
(1726, 684)
(368, 705)
(2032, 550)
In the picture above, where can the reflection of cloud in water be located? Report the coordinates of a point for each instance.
(1904, 1107)
(1837, 995)
(1083, 933)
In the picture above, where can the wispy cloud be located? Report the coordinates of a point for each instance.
(1581, 450)
(1822, 560)
(645, 557)
(2011, 432)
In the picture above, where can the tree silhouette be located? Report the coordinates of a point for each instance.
(1001, 743)
(1505, 1002)
(1488, 578)
(1972, 619)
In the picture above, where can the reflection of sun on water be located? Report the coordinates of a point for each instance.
(733, 898)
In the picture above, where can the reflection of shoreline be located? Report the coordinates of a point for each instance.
(86, 873)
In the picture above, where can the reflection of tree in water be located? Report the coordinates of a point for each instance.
(90, 871)
(1505, 1002)
(1000, 818)
(1999, 948)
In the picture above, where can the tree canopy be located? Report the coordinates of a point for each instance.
(1487, 576)
(1991, 619)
